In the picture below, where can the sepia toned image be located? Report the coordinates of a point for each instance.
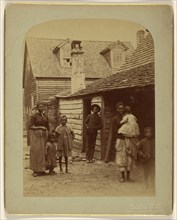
(89, 109)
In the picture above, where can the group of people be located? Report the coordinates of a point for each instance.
(46, 145)
(123, 146)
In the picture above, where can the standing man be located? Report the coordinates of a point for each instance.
(93, 124)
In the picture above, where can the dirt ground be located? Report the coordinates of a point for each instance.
(96, 179)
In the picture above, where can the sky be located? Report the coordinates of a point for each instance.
(87, 29)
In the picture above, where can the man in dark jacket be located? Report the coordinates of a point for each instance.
(93, 124)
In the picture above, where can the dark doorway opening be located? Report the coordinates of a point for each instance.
(86, 112)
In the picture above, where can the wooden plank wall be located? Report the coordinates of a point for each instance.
(30, 88)
(48, 87)
(29, 84)
(51, 87)
(73, 109)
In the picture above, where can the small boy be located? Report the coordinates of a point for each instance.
(93, 124)
(146, 153)
(51, 154)
(65, 137)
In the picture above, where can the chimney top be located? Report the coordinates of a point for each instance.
(140, 36)
(76, 47)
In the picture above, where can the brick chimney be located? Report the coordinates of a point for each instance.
(140, 36)
(77, 60)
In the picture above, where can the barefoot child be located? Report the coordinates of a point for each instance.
(51, 154)
(146, 152)
(65, 137)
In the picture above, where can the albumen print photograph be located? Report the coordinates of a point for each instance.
(89, 109)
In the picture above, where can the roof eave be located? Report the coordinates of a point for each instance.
(100, 92)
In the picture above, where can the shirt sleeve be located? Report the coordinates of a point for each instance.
(57, 131)
(124, 120)
(31, 121)
(87, 120)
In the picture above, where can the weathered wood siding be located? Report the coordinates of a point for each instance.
(109, 113)
(48, 87)
(30, 90)
(30, 87)
(73, 109)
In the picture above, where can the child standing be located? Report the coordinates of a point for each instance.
(51, 154)
(146, 152)
(93, 124)
(65, 136)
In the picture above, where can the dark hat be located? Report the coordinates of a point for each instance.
(97, 106)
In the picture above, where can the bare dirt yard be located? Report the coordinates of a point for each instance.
(96, 179)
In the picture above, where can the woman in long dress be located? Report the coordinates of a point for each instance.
(116, 148)
(39, 127)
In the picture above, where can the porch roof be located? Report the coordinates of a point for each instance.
(138, 77)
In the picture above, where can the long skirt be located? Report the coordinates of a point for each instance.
(121, 155)
(131, 145)
(37, 150)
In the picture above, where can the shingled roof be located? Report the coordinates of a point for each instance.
(138, 71)
(45, 64)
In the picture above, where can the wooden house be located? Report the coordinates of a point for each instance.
(48, 68)
(133, 84)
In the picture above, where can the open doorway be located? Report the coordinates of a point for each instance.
(86, 112)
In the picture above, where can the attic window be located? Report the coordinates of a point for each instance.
(117, 59)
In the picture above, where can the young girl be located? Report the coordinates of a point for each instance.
(146, 152)
(65, 137)
(51, 154)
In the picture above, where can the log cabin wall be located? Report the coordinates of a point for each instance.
(73, 109)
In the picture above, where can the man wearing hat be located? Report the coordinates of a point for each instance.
(93, 124)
